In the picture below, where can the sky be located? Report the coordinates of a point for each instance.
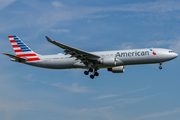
(142, 92)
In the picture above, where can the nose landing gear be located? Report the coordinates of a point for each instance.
(160, 67)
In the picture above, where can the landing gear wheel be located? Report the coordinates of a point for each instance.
(90, 70)
(96, 74)
(92, 76)
(86, 72)
(160, 67)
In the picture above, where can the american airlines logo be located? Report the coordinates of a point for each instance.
(130, 54)
(153, 52)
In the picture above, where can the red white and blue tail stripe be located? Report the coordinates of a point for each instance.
(22, 50)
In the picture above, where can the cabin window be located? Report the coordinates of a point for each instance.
(171, 51)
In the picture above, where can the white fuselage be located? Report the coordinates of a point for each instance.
(121, 57)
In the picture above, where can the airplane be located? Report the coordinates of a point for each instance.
(74, 58)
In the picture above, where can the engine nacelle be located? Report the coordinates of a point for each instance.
(111, 61)
(119, 69)
(108, 61)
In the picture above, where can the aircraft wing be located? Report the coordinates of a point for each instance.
(79, 54)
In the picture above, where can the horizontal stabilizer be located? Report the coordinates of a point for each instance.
(15, 57)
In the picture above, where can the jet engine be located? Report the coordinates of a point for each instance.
(108, 61)
(111, 61)
(119, 69)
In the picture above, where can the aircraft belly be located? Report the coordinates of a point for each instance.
(59, 64)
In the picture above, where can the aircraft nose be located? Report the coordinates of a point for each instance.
(176, 55)
(172, 55)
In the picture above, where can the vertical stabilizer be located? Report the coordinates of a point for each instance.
(22, 50)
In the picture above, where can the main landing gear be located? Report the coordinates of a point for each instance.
(160, 67)
(87, 72)
(91, 70)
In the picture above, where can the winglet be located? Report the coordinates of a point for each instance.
(49, 39)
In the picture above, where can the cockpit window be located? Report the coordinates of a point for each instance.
(171, 51)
